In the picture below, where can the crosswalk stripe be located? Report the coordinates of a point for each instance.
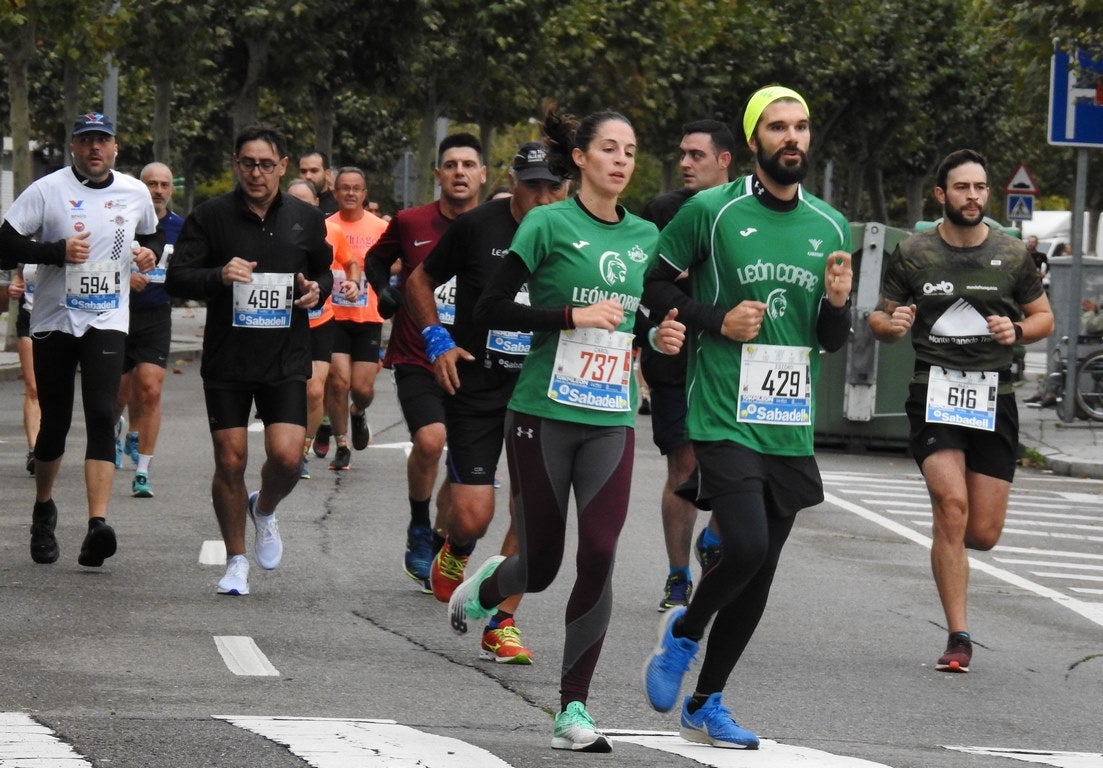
(1091, 611)
(243, 656)
(212, 552)
(770, 754)
(26, 744)
(336, 743)
(1043, 757)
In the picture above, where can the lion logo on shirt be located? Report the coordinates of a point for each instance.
(613, 268)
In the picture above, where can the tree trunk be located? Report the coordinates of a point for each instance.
(913, 190)
(19, 54)
(486, 138)
(247, 103)
(162, 118)
(854, 191)
(426, 154)
(876, 187)
(324, 119)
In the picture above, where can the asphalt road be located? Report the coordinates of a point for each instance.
(121, 666)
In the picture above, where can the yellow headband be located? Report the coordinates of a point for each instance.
(763, 98)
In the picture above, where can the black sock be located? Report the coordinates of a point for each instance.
(419, 512)
(461, 550)
(96, 522)
(962, 635)
(438, 540)
(696, 701)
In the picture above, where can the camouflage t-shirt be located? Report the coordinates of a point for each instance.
(955, 290)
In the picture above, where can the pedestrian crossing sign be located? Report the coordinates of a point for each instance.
(1020, 207)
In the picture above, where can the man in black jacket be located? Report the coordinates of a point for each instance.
(260, 260)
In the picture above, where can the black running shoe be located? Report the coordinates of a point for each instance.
(361, 433)
(341, 458)
(30, 462)
(99, 544)
(44, 548)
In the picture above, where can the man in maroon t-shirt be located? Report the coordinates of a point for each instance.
(410, 236)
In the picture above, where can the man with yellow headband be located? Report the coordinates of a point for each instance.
(770, 277)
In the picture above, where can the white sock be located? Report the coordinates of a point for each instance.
(143, 463)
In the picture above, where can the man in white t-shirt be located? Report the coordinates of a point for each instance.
(81, 224)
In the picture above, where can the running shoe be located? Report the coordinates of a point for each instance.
(130, 446)
(267, 546)
(706, 556)
(44, 548)
(361, 432)
(677, 592)
(446, 572)
(645, 406)
(419, 553)
(668, 664)
(30, 462)
(236, 580)
(502, 645)
(465, 603)
(304, 473)
(321, 440)
(575, 730)
(99, 544)
(341, 458)
(959, 652)
(140, 487)
(712, 724)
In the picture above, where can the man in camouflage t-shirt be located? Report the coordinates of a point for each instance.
(969, 294)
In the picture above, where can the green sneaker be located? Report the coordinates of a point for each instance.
(575, 730)
(464, 603)
(140, 487)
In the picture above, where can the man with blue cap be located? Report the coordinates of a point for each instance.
(770, 278)
(85, 225)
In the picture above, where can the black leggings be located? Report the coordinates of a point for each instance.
(547, 458)
(737, 587)
(99, 353)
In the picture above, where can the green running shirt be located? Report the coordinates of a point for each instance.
(737, 249)
(577, 260)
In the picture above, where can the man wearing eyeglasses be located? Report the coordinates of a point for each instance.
(260, 260)
(83, 224)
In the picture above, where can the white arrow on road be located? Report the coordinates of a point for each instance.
(770, 754)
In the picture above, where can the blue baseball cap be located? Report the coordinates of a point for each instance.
(93, 122)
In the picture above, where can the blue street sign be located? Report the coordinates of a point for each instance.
(1075, 111)
(1020, 207)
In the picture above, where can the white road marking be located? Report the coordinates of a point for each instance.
(1078, 576)
(1047, 552)
(213, 552)
(405, 446)
(770, 754)
(334, 743)
(1048, 563)
(26, 744)
(1043, 757)
(1086, 591)
(243, 656)
(1091, 611)
(255, 426)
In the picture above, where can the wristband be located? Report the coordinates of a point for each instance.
(568, 317)
(651, 334)
(437, 341)
(1018, 331)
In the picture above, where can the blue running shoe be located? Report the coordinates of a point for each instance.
(130, 447)
(712, 724)
(668, 664)
(707, 556)
(677, 592)
(419, 553)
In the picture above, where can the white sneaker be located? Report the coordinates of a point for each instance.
(236, 580)
(268, 546)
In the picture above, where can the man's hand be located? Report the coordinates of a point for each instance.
(838, 278)
(309, 292)
(743, 321)
(238, 270)
(670, 335)
(1002, 330)
(444, 368)
(138, 282)
(77, 249)
(350, 290)
(144, 259)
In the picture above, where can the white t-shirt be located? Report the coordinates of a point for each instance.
(57, 207)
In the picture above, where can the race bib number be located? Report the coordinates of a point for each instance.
(514, 343)
(92, 286)
(338, 297)
(775, 385)
(593, 369)
(962, 398)
(265, 302)
(446, 302)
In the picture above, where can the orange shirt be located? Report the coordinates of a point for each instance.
(342, 256)
(359, 236)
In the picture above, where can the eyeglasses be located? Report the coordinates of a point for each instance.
(354, 190)
(248, 164)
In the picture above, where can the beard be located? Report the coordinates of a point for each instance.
(956, 216)
(779, 171)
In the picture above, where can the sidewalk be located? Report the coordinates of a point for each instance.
(1074, 449)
